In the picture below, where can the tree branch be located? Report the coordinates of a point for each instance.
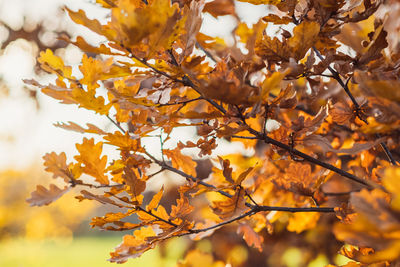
(345, 86)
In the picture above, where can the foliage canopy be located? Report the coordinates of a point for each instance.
(316, 106)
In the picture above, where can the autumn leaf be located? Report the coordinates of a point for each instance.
(123, 141)
(180, 161)
(262, 2)
(250, 236)
(155, 200)
(57, 164)
(43, 196)
(300, 222)
(89, 157)
(53, 63)
(220, 8)
(304, 37)
(133, 245)
(182, 207)
(232, 206)
(71, 126)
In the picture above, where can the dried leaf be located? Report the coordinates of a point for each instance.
(250, 236)
(89, 156)
(181, 162)
(155, 200)
(42, 196)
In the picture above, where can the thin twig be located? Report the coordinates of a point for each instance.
(345, 86)
(181, 102)
(115, 123)
(262, 208)
(155, 216)
(208, 54)
(245, 137)
(187, 82)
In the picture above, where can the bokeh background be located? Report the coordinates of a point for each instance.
(59, 234)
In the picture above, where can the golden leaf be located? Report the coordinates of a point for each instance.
(94, 25)
(88, 100)
(182, 207)
(133, 245)
(301, 221)
(304, 37)
(123, 141)
(232, 206)
(89, 156)
(54, 64)
(155, 200)
(181, 162)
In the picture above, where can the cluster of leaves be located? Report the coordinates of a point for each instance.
(317, 107)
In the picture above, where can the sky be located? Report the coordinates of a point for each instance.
(27, 133)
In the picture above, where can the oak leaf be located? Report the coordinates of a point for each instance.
(180, 161)
(89, 157)
(252, 238)
(43, 196)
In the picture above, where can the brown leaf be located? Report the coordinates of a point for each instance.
(250, 236)
(232, 206)
(57, 165)
(226, 169)
(220, 8)
(42, 196)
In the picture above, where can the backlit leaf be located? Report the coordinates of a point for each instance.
(42, 196)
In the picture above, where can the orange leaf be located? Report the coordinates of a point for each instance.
(180, 161)
(89, 156)
(232, 206)
(133, 246)
(250, 236)
(124, 142)
(182, 207)
(155, 200)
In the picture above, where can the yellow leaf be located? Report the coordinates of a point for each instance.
(123, 141)
(55, 64)
(301, 221)
(93, 70)
(133, 245)
(271, 84)
(391, 181)
(88, 100)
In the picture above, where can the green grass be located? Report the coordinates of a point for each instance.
(81, 251)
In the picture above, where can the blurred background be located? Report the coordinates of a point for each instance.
(58, 234)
